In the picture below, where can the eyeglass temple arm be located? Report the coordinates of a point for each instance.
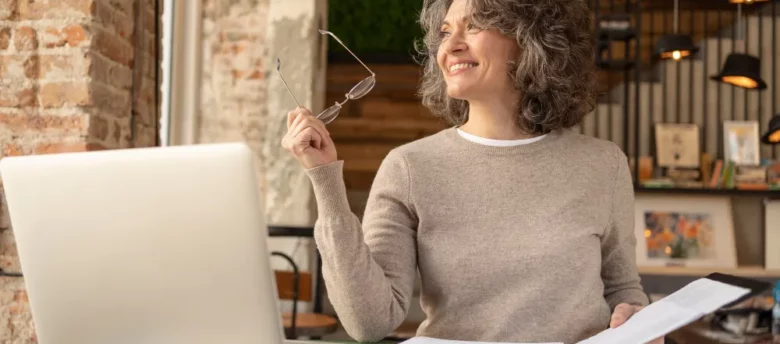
(325, 32)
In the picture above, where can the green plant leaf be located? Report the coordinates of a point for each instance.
(375, 26)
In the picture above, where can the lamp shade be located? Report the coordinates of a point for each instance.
(772, 135)
(741, 70)
(745, 1)
(675, 46)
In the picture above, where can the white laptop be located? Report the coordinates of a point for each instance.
(144, 246)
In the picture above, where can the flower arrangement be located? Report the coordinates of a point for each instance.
(678, 235)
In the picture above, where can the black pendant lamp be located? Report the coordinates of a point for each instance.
(772, 136)
(741, 69)
(675, 46)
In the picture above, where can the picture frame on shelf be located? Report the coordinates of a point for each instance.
(772, 234)
(687, 231)
(741, 142)
(677, 145)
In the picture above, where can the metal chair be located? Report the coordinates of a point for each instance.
(297, 286)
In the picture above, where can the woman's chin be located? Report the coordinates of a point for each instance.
(458, 91)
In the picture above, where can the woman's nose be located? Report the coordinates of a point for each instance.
(456, 43)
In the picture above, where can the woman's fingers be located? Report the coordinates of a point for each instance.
(302, 122)
(295, 113)
(304, 131)
(290, 117)
(306, 139)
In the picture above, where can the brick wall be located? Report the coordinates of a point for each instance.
(233, 79)
(66, 84)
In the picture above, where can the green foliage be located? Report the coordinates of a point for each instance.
(375, 26)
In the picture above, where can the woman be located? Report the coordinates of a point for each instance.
(522, 229)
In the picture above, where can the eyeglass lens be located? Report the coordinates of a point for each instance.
(359, 90)
(329, 114)
(362, 88)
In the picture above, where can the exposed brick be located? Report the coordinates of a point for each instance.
(27, 97)
(117, 133)
(18, 67)
(71, 35)
(5, 37)
(56, 148)
(17, 96)
(115, 49)
(109, 100)
(5, 221)
(8, 9)
(121, 135)
(8, 251)
(149, 65)
(122, 6)
(145, 102)
(75, 34)
(61, 94)
(30, 66)
(11, 149)
(111, 73)
(52, 38)
(21, 296)
(149, 18)
(75, 124)
(98, 128)
(115, 20)
(145, 136)
(33, 10)
(75, 65)
(25, 39)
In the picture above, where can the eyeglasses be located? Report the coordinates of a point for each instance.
(358, 91)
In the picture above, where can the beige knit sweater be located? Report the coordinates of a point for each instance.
(528, 243)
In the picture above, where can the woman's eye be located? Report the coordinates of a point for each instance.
(472, 27)
(443, 33)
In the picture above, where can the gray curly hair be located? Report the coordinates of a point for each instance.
(555, 72)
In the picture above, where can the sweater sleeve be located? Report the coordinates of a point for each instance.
(369, 269)
(618, 245)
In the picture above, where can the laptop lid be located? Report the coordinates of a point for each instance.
(148, 245)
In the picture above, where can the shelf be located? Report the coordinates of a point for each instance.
(706, 191)
(619, 35)
(615, 64)
(743, 271)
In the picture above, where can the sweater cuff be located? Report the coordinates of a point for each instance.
(629, 296)
(330, 190)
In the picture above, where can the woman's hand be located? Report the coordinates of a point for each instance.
(624, 311)
(308, 140)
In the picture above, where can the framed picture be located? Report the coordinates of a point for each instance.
(741, 142)
(688, 231)
(677, 145)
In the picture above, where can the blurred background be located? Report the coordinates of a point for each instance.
(687, 88)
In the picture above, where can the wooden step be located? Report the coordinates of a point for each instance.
(379, 130)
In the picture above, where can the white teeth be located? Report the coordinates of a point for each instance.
(460, 66)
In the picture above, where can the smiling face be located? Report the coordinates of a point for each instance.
(473, 61)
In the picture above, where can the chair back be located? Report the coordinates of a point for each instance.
(286, 283)
(304, 232)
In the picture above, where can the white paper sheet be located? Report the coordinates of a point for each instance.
(427, 340)
(686, 305)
